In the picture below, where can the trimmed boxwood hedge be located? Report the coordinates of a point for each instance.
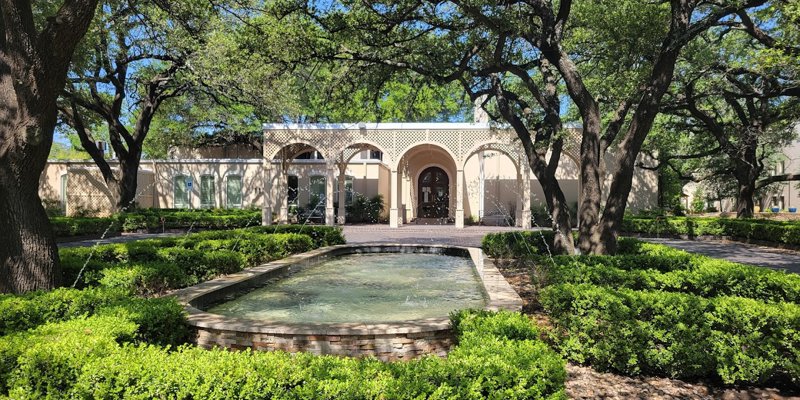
(153, 266)
(498, 355)
(783, 232)
(657, 310)
(84, 226)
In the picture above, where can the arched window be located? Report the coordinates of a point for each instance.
(233, 191)
(181, 189)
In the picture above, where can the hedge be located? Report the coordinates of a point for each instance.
(153, 266)
(498, 355)
(83, 226)
(734, 339)
(783, 232)
(657, 310)
(518, 244)
(157, 219)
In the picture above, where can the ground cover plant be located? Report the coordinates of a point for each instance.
(656, 310)
(780, 232)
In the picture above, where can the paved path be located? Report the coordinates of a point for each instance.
(739, 252)
(421, 234)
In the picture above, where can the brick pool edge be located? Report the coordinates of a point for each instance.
(385, 341)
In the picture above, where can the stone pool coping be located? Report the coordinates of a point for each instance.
(499, 293)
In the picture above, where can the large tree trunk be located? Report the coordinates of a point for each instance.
(28, 251)
(559, 213)
(33, 68)
(745, 207)
(125, 187)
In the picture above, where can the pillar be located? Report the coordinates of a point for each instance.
(394, 213)
(283, 193)
(329, 214)
(266, 208)
(460, 199)
(342, 196)
(519, 203)
(526, 196)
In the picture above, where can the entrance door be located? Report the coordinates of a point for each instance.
(433, 193)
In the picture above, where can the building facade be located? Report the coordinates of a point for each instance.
(424, 172)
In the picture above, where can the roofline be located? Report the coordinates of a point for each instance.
(394, 126)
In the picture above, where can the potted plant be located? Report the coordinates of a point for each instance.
(792, 209)
(775, 209)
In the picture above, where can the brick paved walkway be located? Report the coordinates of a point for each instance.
(421, 234)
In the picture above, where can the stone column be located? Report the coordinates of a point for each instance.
(342, 195)
(329, 214)
(266, 208)
(281, 187)
(526, 196)
(394, 213)
(518, 211)
(460, 199)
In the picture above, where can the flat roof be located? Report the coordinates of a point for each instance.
(395, 126)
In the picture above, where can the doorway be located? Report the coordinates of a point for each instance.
(433, 193)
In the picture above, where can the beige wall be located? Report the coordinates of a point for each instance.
(370, 177)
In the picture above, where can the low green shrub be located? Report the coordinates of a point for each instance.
(84, 226)
(22, 312)
(158, 219)
(321, 235)
(783, 232)
(518, 244)
(153, 266)
(686, 273)
(497, 356)
(681, 335)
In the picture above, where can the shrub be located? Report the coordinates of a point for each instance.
(518, 244)
(681, 335)
(363, 209)
(83, 226)
(321, 235)
(784, 232)
(491, 360)
(18, 313)
(153, 266)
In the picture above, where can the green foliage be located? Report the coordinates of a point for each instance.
(784, 232)
(498, 356)
(363, 209)
(18, 313)
(525, 244)
(149, 267)
(157, 219)
(83, 226)
(734, 339)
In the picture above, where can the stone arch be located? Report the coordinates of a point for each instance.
(296, 142)
(493, 145)
(366, 144)
(442, 146)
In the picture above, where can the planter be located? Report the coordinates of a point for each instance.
(775, 209)
(792, 209)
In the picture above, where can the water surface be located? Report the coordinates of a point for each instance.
(369, 288)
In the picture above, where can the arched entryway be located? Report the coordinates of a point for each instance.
(433, 193)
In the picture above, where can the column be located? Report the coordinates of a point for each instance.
(329, 214)
(266, 208)
(526, 196)
(283, 193)
(519, 207)
(460, 199)
(342, 198)
(394, 214)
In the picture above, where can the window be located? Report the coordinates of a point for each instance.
(375, 155)
(309, 155)
(317, 190)
(181, 187)
(293, 186)
(233, 191)
(207, 192)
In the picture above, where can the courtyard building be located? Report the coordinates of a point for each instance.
(432, 173)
